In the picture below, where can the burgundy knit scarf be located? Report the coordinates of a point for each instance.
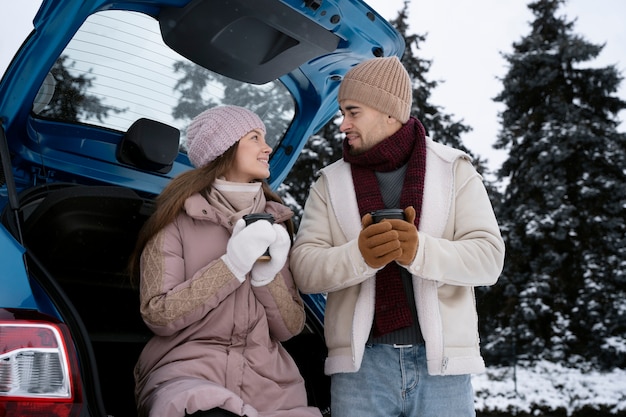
(406, 146)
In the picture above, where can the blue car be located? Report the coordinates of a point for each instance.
(93, 111)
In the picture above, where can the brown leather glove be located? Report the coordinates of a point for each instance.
(378, 243)
(407, 235)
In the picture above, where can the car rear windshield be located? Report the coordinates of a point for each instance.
(117, 70)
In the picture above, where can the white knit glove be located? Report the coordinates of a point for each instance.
(246, 244)
(264, 272)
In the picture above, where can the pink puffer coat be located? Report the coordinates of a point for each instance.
(217, 341)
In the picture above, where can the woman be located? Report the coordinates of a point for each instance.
(217, 314)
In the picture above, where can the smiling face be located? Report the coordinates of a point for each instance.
(251, 159)
(365, 126)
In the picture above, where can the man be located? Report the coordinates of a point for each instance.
(400, 324)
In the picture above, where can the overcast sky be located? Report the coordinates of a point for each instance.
(465, 40)
(15, 23)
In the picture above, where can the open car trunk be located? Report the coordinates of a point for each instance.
(79, 239)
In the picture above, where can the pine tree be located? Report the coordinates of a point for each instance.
(562, 293)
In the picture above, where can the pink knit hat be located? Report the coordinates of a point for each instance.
(213, 131)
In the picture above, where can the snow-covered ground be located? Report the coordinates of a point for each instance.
(548, 387)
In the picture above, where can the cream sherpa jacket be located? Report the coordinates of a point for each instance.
(460, 247)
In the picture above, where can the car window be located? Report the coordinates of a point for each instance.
(117, 70)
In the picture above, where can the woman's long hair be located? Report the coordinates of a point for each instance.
(172, 200)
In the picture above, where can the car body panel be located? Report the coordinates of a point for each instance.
(19, 293)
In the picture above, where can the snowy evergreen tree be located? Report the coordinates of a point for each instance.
(562, 295)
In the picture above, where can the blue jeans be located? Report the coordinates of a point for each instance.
(394, 382)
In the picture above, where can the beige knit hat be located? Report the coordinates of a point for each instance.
(213, 131)
(380, 83)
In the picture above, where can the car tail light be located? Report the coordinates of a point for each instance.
(38, 369)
